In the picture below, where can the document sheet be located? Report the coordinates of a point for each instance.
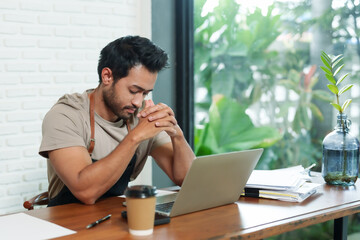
(24, 226)
(278, 179)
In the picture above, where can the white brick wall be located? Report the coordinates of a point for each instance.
(48, 48)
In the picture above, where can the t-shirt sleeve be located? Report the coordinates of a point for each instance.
(61, 129)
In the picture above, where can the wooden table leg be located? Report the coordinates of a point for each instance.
(340, 228)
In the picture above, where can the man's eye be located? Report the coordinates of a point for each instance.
(133, 92)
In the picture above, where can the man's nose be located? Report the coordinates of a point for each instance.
(137, 100)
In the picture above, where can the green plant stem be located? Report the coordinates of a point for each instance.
(344, 144)
(338, 102)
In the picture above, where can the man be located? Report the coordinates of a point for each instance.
(96, 142)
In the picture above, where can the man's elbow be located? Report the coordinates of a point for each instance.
(86, 197)
(88, 201)
(178, 178)
(178, 181)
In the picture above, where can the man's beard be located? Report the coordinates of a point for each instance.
(110, 102)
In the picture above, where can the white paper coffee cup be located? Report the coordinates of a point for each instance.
(140, 204)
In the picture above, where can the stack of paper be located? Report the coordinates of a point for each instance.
(287, 184)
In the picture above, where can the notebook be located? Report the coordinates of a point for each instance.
(211, 181)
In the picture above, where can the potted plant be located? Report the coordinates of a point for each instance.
(340, 161)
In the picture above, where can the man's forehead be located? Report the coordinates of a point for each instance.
(140, 78)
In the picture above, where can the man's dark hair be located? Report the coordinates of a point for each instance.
(127, 52)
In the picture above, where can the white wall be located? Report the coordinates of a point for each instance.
(48, 48)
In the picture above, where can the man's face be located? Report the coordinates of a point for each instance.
(125, 97)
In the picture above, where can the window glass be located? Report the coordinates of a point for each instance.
(257, 68)
(258, 81)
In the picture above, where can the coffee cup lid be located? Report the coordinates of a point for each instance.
(140, 191)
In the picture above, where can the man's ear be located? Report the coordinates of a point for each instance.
(106, 76)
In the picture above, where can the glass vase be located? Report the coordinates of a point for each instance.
(340, 162)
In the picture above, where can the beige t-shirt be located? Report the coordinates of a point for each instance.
(67, 124)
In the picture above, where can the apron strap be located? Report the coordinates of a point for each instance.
(92, 122)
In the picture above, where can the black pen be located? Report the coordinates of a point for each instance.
(98, 221)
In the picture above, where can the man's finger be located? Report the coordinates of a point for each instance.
(148, 103)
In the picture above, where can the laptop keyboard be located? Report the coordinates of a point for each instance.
(164, 207)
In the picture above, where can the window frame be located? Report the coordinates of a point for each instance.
(184, 21)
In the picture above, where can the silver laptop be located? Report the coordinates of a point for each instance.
(212, 181)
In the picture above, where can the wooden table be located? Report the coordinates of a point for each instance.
(248, 218)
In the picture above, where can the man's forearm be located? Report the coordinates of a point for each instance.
(89, 181)
(183, 157)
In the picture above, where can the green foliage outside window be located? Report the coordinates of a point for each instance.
(239, 69)
(230, 129)
(234, 58)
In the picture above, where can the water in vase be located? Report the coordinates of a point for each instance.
(337, 172)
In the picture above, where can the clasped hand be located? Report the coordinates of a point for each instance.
(157, 118)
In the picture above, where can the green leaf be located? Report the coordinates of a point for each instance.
(228, 112)
(295, 77)
(338, 69)
(222, 82)
(325, 56)
(342, 79)
(305, 117)
(345, 88)
(296, 124)
(337, 59)
(337, 106)
(316, 111)
(255, 93)
(337, 62)
(330, 78)
(260, 137)
(326, 70)
(209, 144)
(333, 88)
(199, 138)
(326, 63)
(346, 104)
(238, 50)
(230, 129)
